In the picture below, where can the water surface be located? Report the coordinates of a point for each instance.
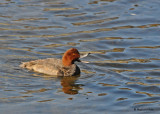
(121, 35)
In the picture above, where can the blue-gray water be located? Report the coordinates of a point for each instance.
(124, 70)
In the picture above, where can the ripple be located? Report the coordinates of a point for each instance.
(30, 19)
(80, 32)
(102, 94)
(46, 100)
(151, 47)
(107, 38)
(94, 22)
(72, 15)
(123, 69)
(35, 91)
(121, 99)
(16, 97)
(104, 84)
(145, 102)
(141, 83)
(149, 94)
(59, 45)
(43, 27)
(58, 9)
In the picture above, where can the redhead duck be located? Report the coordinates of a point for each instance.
(58, 67)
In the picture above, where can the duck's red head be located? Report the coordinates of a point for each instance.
(70, 56)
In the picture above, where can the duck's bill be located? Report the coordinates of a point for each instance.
(82, 56)
(85, 55)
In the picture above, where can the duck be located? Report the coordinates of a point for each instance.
(56, 67)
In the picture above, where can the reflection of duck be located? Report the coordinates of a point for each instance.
(69, 86)
(58, 67)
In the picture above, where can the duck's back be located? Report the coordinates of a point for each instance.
(50, 66)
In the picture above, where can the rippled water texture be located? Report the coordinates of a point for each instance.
(123, 37)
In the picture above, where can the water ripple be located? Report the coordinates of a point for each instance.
(122, 69)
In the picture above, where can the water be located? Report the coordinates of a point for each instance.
(121, 35)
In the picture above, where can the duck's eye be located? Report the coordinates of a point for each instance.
(73, 54)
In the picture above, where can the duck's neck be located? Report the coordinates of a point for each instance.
(66, 62)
